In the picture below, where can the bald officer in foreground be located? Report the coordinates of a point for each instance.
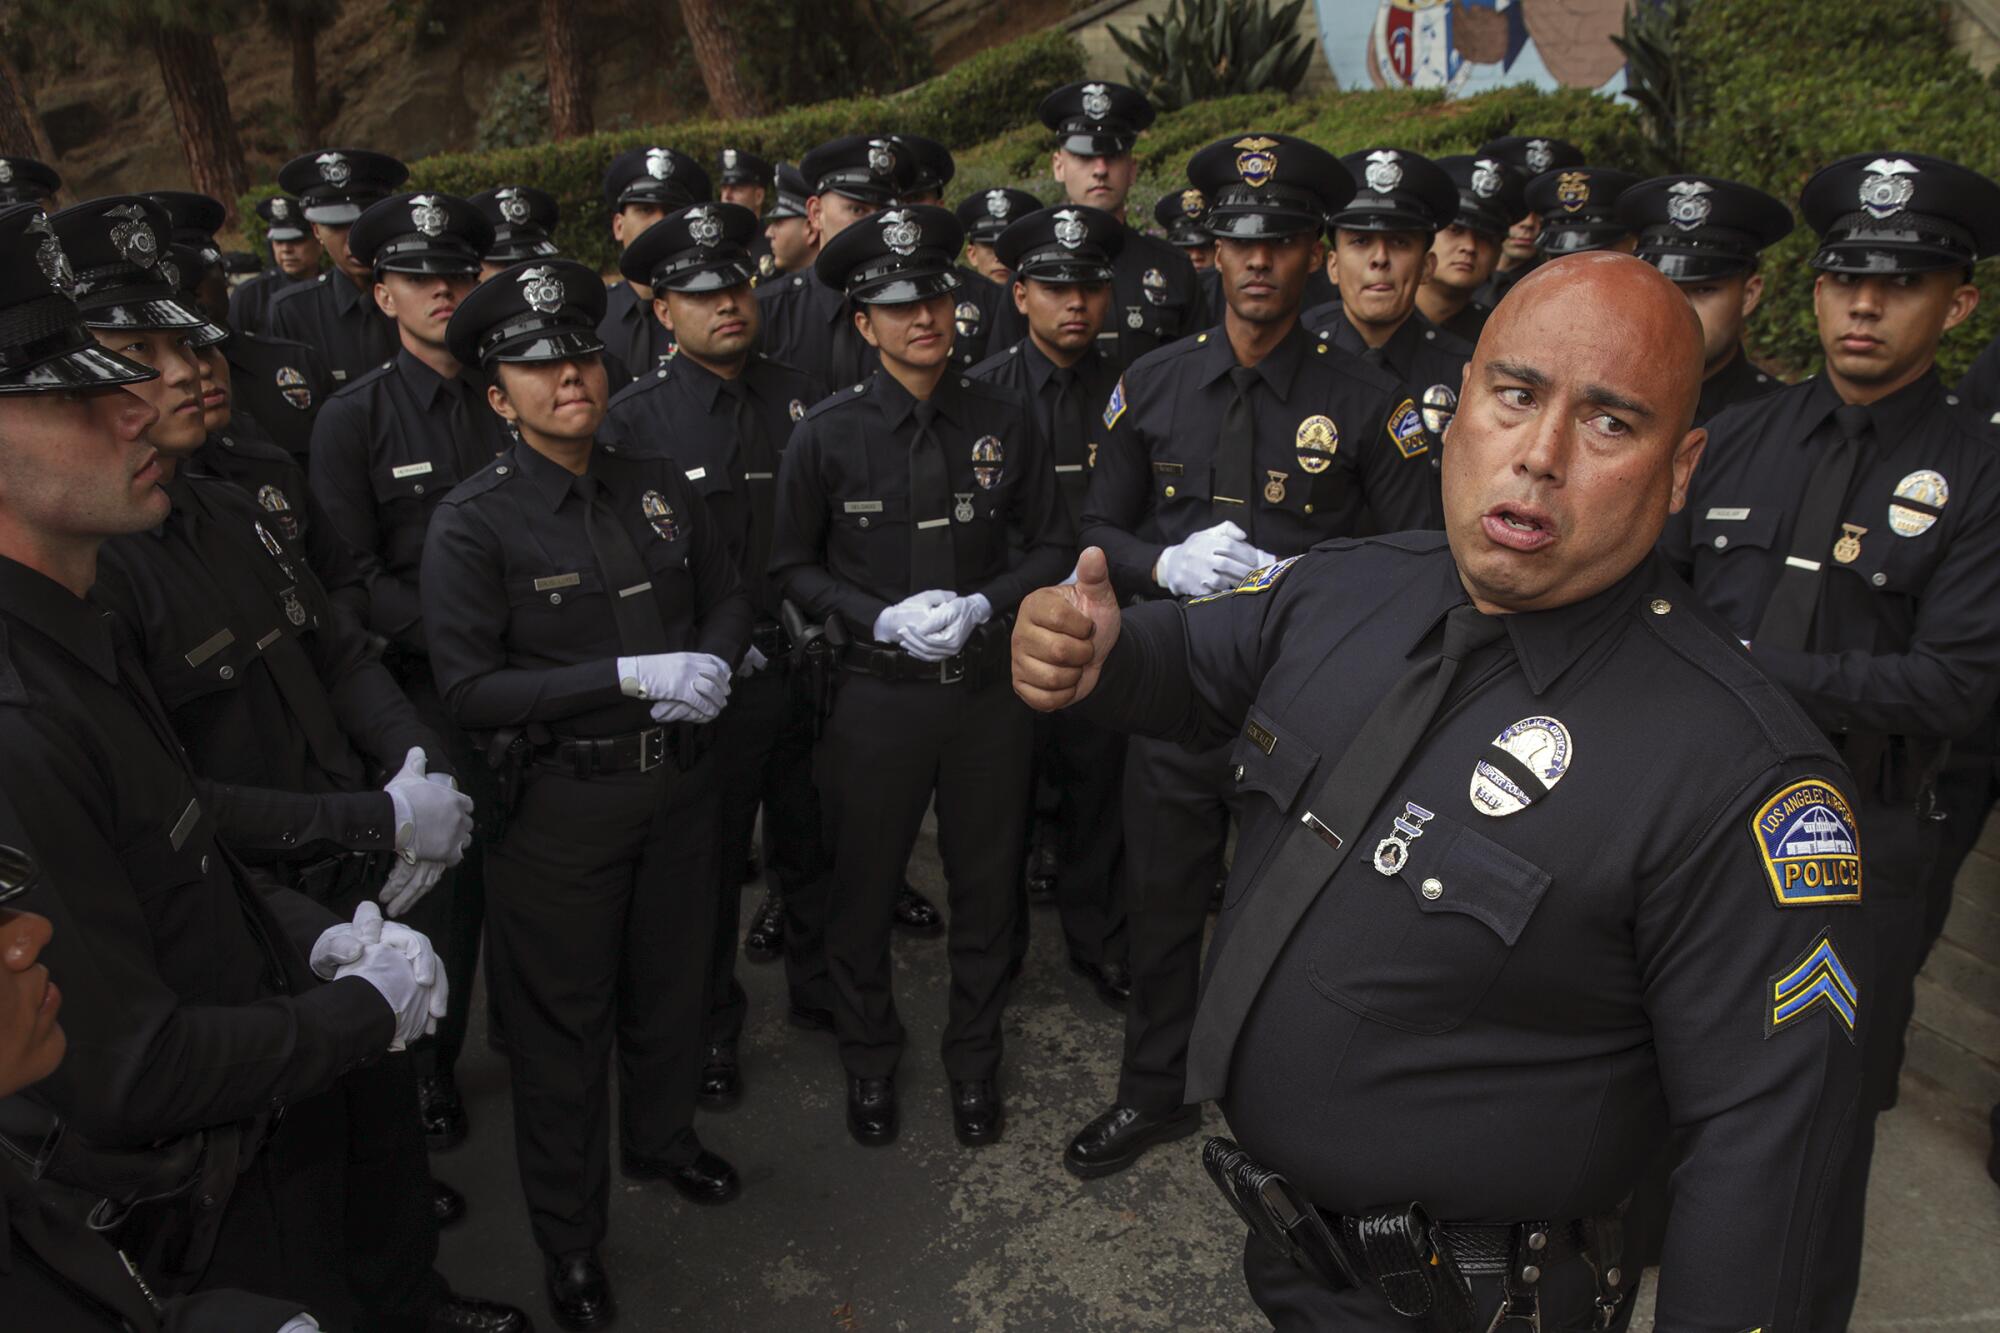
(1582, 864)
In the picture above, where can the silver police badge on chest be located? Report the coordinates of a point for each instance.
(966, 318)
(1155, 284)
(1926, 494)
(797, 410)
(1525, 761)
(1394, 851)
(293, 387)
(987, 459)
(660, 514)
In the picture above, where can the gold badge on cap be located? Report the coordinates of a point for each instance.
(1848, 549)
(1318, 439)
(1924, 494)
(1256, 164)
(1274, 489)
(1573, 190)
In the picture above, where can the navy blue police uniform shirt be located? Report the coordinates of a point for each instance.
(343, 322)
(1600, 928)
(686, 410)
(1738, 382)
(632, 332)
(808, 325)
(1430, 362)
(1335, 440)
(843, 525)
(280, 383)
(519, 616)
(385, 452)
(1026, 370)
(1155, 301)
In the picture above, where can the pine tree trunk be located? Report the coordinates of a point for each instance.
(569, 98)
(200, 100)
(305, 78)
(729, 94)
(21, 133)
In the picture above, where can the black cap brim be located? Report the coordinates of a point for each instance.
(1248, 226)
(1085, 144)
(1382, 220)
(717, 276)
(1065, 272)
(1873, 257)
(561, 343)
(1574, 238)
(18, 874)
(905, 286)
(786, 207)
(83, 366)
(520, 250)
(160, 312)
(1706, 266)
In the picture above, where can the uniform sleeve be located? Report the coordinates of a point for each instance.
(722, 607)
(1398, 470)
(465, 599)
(798, 540)
(1979, 390)
(247, 304)
(373, 712)
(1119, 498)
(1040, 524)
(1754, 1009)
(297, 825)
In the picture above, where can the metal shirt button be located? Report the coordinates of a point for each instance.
(1660, 606)
(1721, 540)
(227, 673)
(1878, 578)
(555, 599)
(1170, 492)
(1433, 889)
(864, 520)
(1239, 772)
(418, 489)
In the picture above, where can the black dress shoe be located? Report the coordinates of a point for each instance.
(916, 913)
(871, 1111)
(579, 1293)
(706, 1180)
(975, 1112)
(1115, 1139)
(809, 1017)
(1112, 981)
(442, 1111)
(721, 1081)
(447, 1204)
(469, 1314)
(765, 939)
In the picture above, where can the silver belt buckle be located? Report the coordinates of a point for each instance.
(652, 748)
(952, 669)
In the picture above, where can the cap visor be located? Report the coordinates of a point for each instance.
(1096, 145)
(1683, 267)
(1382, 220)
(91, 367)
(332, 215)
(519, 252)
(903, 288)
(1070, 273)
(159, 313)
(1577, 240)
(1886, 259)
(284, 233)
(454, 264)
(782, 210)
(549, 345)
(208, 335)
(713, 278)
(1256, 226)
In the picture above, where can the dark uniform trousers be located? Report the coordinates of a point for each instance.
(888, 747)
(589, 889)
(1079, 770)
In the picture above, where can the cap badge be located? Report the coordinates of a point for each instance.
(1192, 203)
(426, 215)
(998, 206)
(133, 237)
(1486, 178)
(797, 409)
(1887, 188)
(1070, 229)
(659, 163)
(1384, 172)
(1689, 206)
(729, 159)
(704, 226)
(280, 210)
(1522, 765)
(1540, 156)
(1256, 164)
(881, 158)
(334, 169)
(6, 171)
(512, 206)
(1922, 496)
(900, 233)
(542, 290)
(987, 458)
(49, 256)
(1096, 101)
(1573, 190)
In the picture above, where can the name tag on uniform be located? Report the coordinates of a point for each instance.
(185, 824)
(411, 470)
(1261, 737)
(209, 647)
(1727, 515)
(554, 581)
(696, 473)
(1171, 469)
(340, 377)
(861, 507)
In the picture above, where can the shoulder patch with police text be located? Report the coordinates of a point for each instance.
(1257, 580)
(1810, 845)
(1114, 408)
(1817, 979)
(1406, 430)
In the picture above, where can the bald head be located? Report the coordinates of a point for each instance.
(1571, 444)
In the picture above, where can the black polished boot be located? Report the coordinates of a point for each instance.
(871, 1111)
(469, 1314)
(579, 1292)
(721, 1079)
(975, 1112)
(765, 940)
(1117, 1138)
(705, 1180)
(1112, 982)
(442, 1111)
(915, 913)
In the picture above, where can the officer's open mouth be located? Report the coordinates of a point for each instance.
(1518, 527)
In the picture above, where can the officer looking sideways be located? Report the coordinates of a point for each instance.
(336, 312)
(1491, 200)
(792, 237)
(1848, 530)
(295, 258)
(1219, 454)
(641, 187)
(724, 410)
(918, 506)
(1394, 941)
(581, 603)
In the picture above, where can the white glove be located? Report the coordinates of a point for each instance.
(1208, 562)
(407, 883)
(699, 680)
(944, 633)
(433, 820)
(753, 662)
(909, 613)
(300, 1323)
(425, 965)
(362, 952)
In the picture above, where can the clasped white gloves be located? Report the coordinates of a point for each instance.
(300, 1323)
(943, 632)
(1210, 561)
(397, 961)
(433, 829)
(909, 613)
(682, 687)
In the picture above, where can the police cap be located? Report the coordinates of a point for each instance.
(117, 248)
(1579, 208)
(663, 177)
(739, 166)
(1893, 212)
(522, 219)
(874, 170)
(894, 257)
(1068, 244)
(703, 248)
(334, 185)
(1491, 197)
(1396, 190)
(1096, 119)
(931, 167)
(282, 215)
(1694, 228)
(988, 213)
(420, 233)
(44, 345)
(26, 181)
(1183, 214)
(1269, 185)
(1532, 154)
(192, 219)
(543, 310)
(790, 200)
(190, 264)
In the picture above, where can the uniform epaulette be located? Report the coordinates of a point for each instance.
(1790, 733)
(1446, 341)
(251, 447)
(1172, 351)
(846, 393)
(496, 473)
(988, 390)
(645, 383)
(295, 289)
(777, 291)
(1342, 363)
(368, 376)
(993, 363)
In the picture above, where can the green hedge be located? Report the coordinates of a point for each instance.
(990, 93)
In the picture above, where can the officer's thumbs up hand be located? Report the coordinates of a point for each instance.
(1063, 635)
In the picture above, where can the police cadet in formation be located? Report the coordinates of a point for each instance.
(1847, 529)
(295, 256)
(1491, 200)
(1527, 156)
(206, 1042)
(386, 449)
(1706, 234)
(1248, 442)
(523, 220)
(983, 296)
(724, 411)
(1182, 215)
(918, 507)
(791, 237)
(337, 312)
(641, 186)
(745, 179)
(1578, 207)
(1063, 260)
(1457, 990)
(1380, 258)
(585, 616)
(985, 214)
(23, 180)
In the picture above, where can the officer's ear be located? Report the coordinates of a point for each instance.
(1686, 455)
(496, 397)
(663, 312)
(1753, 293)
(815, 215)
(865, 326)
(1964, 301)
(1430, 266)
(1021, 295)
(385, 300)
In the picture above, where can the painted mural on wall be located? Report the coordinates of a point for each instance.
(1465, 46)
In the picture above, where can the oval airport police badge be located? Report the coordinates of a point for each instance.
(1810, 845)
(1919, 503)
(1523, 764)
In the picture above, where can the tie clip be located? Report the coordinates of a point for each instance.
(1800, 562)
(1327, 835)
(933, 523)
(636, 589)
(1228, 500)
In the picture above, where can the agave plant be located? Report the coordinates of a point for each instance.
(1657, 77)
(1214, 48)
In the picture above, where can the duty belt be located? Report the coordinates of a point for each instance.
(970, 666)
(769, 638)
(645, 751)
(329, 879)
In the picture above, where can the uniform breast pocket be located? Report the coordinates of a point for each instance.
(1179, 482)
(1268, 770)
(1885, 562)
(543, 607)
(1418, 950)
(176, 900)
(871, 516)
(215, 665)
(1721, 529)
(411, 482)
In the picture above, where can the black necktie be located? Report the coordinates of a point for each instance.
(626, 580)
(933, 563)
(759, 472)
(1374, 356)
(1316, 847)
(1234, 450)
(1788, 616)
(1067, 438)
